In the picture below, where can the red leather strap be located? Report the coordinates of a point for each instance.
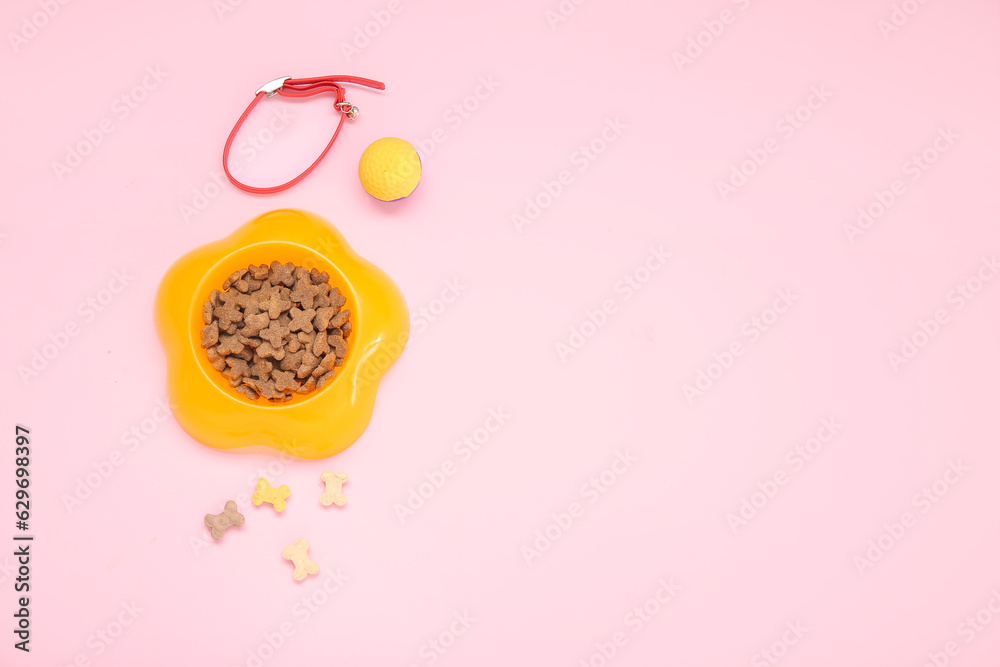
(299, 88)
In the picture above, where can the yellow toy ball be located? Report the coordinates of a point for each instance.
(389, 169)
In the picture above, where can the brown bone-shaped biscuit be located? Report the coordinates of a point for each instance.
(229, 344)
(322, 298)
(346, 329)
(247, 391)
(317, 277)
(228, 311)
(263, 387)
(248, 303)
(338, 344)
(285, 381)
(292, 360)
(254, 323)
(208, 312)
(323, 317)
(249, 341)
(273, 301)
(219, 523)
(274, 334)
(340, 319)
(281, 274)
(337, 300)
(265, 349)
(324, 379)
(235, 276)
(308, 386)
(217, 360)
(325, 366)
(258, 272)
(303, 293)
(210, 334)
(237, 369)
(320, 346)
(309, 362)
(301, 319)
(261, 368)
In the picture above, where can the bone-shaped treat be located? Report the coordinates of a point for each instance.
(334, 485)
(298, 553)
(266, 493)
(220, 522)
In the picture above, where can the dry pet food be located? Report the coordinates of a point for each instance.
(218, 523)
(298, 553)
(334, 485)
(276, 331)
(266, 493)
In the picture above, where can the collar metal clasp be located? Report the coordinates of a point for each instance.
(272, 87)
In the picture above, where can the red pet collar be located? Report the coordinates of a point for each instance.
(289, 87)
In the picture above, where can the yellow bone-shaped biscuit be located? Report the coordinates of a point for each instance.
(266, 493)
(334, 485)
(298, 553)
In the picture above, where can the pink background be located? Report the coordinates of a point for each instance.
(145, 194)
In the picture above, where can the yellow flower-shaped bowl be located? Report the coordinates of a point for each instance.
(311, 426)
